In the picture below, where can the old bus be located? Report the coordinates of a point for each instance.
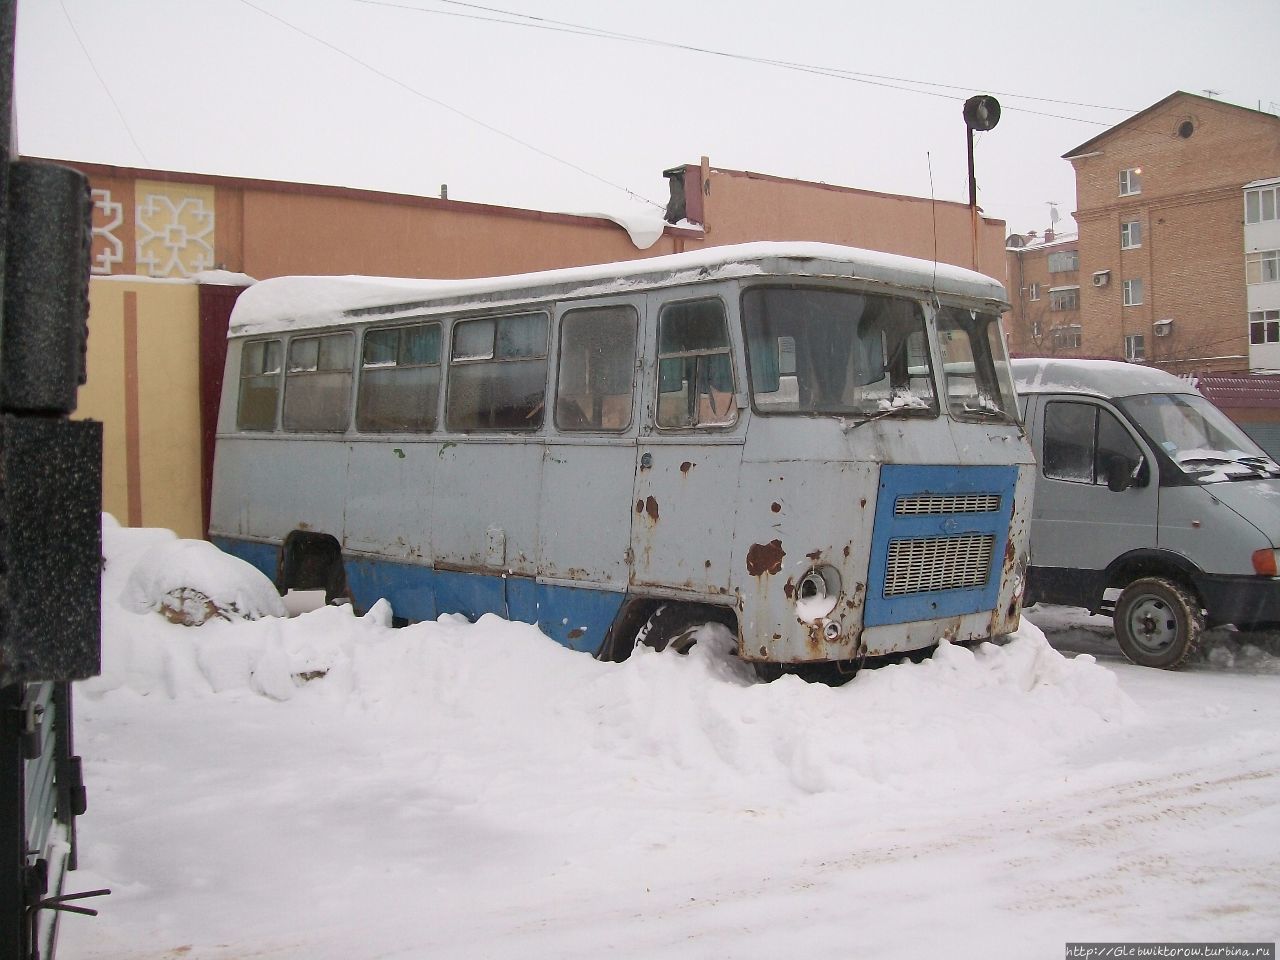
(814, 445)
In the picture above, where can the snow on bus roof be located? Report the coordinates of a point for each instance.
(284, 303)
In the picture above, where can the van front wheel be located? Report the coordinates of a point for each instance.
(1158, 623)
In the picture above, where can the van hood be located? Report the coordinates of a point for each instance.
(1257, 501)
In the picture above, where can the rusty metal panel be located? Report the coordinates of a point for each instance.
(797, 516)
(585, 523)
(390, 484)
(483, 484)
(684, 514)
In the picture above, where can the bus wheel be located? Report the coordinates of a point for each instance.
(676, 626)
(1158, 623)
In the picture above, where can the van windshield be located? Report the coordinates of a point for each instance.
(858, 355)
(1199, 437)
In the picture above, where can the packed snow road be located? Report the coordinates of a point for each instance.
(328, 787)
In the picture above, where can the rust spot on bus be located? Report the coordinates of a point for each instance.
(765, 558)
(639, 506)
(776, 507)
(651, 508)
(814, 555)
(576, 632)
(686, 467)
(846, 550)
(789, 588)
(863, 503)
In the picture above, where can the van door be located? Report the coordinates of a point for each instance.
(1079, 524)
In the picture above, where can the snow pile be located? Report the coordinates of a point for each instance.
(188, 581)
(703, 718)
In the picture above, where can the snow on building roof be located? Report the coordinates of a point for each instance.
(286, 303)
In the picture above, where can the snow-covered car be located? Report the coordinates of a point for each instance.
(1150, 504)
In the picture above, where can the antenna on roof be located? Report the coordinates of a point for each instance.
(1212, 93)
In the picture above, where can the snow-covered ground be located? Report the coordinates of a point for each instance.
(328, 787)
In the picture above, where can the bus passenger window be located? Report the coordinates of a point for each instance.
(695, 368)
(399, 379)
(317, 391)
(498, 373)
(597, 364)
(259, 385)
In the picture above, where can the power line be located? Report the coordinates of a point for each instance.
(94, 67)
(440, 103)
(870, 79)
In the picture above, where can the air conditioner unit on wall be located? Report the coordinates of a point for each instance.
(1163, 327)
(1101, 278)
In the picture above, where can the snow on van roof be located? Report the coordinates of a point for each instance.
(284, 303)
(1103, 378)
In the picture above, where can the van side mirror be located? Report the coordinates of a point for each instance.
(1124, 472)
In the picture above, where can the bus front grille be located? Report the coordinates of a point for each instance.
(924, 504)
(938, 563)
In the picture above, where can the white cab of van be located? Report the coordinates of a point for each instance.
(1150, 504)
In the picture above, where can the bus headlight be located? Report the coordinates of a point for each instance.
(817, 593)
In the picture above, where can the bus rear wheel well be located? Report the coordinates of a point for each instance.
(639, 613)
(312, 561)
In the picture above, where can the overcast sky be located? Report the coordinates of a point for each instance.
(406, 95)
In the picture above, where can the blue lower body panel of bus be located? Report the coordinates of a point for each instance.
(577, 617)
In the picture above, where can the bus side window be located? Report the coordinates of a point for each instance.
(259, 385)
(498, 373)
(317, 388)
(597, 369)
(399, 379)
(695, 367)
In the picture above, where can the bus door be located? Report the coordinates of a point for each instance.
(488, 482)
(690, 451)
(588, 471)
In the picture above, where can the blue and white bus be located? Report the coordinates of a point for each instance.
(814, 445)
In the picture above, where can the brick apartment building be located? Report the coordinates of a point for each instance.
(1177, 261)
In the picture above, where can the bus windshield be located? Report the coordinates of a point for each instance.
(979, 385)
(819, 351)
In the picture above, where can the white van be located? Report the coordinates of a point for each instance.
(1149, 504)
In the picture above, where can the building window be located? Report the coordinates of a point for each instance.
(1261, 205)
(1064, 298)
(1064, 261)
(1132, 293)
(1135, 347)
(1262, 267)
(1130, 181)
(1130, 235)
(1067, 337)
(1033, 292)
(1264, 326)
(1035, 328)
